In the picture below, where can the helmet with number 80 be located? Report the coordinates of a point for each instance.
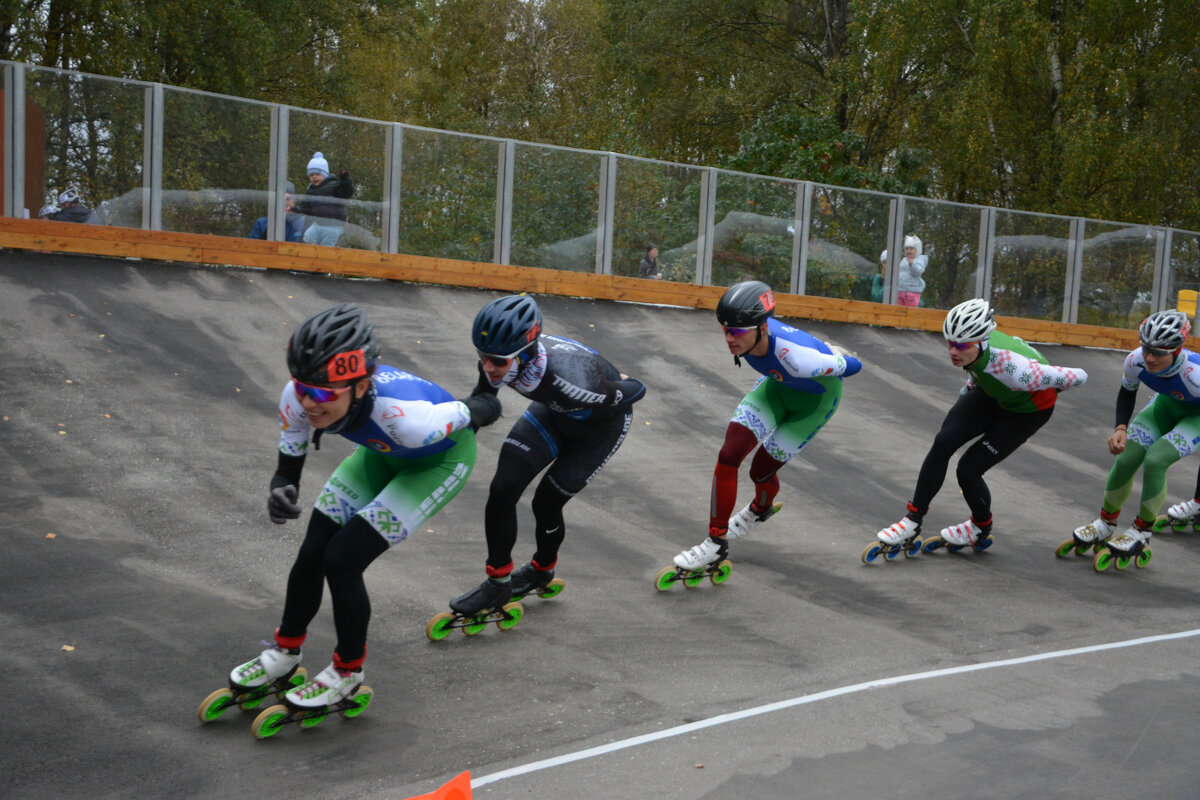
(336, 344)
(746, 305)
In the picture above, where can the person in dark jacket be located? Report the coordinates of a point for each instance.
(294, 224)
(70, 209)
(648, 268)
(324, 202)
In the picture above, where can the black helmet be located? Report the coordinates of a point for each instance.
(332, 345)
(506, 326)
(746, 305)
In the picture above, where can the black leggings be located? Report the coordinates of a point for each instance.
(338, 555)
(974, 414)
(578, 450)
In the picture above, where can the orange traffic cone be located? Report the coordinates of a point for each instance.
(458, 788)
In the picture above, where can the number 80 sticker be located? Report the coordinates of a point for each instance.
(347, 366)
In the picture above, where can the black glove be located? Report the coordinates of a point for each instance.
(282, 506)
(344, 175)
(484, 408)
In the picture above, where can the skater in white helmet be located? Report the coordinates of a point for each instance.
(1010, 393)
(1166, 430)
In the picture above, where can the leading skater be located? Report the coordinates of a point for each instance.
(416, 448)
(798, 393)
(1010, 393)
(1166, 430)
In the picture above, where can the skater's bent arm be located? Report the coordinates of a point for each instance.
(1027, 375)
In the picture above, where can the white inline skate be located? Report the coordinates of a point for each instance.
(333, 691)
(965, 534)
(900, 537)
(1179, 517)
(1132, 545)
(274, 671)
(1086, 537)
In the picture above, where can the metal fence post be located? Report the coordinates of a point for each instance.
(393, 172)
(800, 237)
(891, 286)
(987, 239)
(1161, 290)
(152, 159)
(277, 177)
(14, 141)
(1074, 282)
(606, 214)
(704, 236)
(501, 251)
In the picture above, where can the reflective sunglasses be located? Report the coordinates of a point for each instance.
(737, 331)
(961, 346)
(499, 361)
(319, 394)
(1157, 352)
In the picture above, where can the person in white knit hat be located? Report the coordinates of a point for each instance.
(324, 202)
(910, 284)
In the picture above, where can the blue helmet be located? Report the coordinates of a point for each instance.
(507, 326)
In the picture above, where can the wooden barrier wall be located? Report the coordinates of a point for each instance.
(197, 248)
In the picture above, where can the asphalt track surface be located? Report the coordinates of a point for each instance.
(138, 405)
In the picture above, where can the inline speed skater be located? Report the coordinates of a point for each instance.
(1166, 430)
(1010, 393)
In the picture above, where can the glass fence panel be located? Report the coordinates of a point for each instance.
(1183, 272)
(847, 233)
(1031, 255)
(1118, 274)
(949, 236)
(344, 208)
(753, 230)
(84, 133)
(656, 205)
(448, 195)
(216, 158)
(556, 201)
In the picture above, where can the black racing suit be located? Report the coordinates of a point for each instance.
(581, 411)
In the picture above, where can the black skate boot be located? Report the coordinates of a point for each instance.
(484, 597)
(531, 580)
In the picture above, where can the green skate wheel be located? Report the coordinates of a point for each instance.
(313, 720)
(515, 611)
(871, 552)
(269, 722)
(298, 679)
(1143, 558)
(664, 579)
(440, 626)
(1103, 558)
(553, 588)
(723, 571)
(1065, 548)
(1121, 562)
(250, 705)
(694, 579)
(215, 705)
(1179, 526)
(475, 625)
(1161, 522)
(361, 699)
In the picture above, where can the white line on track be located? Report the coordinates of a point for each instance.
(735, 716)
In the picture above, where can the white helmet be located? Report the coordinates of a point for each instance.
(69, 196)
(971, 321)
(1165, 330)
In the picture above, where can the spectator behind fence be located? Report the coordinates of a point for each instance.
(912, 266)
(293, 224)
(878, 280)
(70, 208)
(324, 202)
(648, 268)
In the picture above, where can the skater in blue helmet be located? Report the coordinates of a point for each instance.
(800, 390)
(1010, 394)
(416, 449)
(1166, 430)
(580, 411)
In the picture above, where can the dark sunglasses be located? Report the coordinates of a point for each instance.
(961, 346)
(1157, 352)
(737, 331)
